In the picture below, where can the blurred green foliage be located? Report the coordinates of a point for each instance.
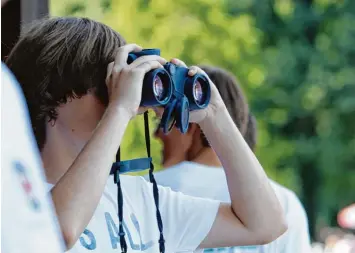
(295, 61)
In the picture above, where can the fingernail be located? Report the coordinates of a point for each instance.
(192, 71)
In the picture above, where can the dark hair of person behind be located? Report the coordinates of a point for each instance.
(232, 95)
(250, 135)
(57, 59)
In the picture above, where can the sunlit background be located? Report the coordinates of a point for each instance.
(296, 63)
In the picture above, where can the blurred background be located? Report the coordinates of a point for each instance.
(296, 63)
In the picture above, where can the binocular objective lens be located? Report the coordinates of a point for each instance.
(158, 88)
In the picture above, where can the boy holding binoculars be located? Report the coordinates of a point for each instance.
(81, 94)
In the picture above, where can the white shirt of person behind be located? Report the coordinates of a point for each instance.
(209, 182)
(186, 220)
(28, 221)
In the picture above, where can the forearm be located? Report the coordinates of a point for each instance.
(253, 200)
(78, 192)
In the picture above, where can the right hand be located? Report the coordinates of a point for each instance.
(216, 104)
(124, 81)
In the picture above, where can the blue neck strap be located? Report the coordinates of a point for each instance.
(134, 165)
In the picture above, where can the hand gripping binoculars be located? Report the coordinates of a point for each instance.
(172, 88)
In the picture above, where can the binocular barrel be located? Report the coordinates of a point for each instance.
(157, 86)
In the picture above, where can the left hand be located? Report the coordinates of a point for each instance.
(216, 102)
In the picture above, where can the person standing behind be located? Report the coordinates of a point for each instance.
(193, 168)
(29, 222)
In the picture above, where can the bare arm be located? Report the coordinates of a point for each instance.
(255, 215)
(78, 192)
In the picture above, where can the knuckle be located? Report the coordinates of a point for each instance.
(157, 64)
(137, 71)
(146, 57)
(161, 59)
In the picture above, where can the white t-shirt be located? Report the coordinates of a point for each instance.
(27, 214)
(186, 220)
(208, 182)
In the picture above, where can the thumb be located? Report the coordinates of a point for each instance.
(109, 72)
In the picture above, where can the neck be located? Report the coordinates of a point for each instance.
(74, 126)
(203, 155)
(59, 152)
(206, 156)
(173, 160)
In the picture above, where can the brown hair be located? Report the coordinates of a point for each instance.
(57, 59)
(232, 95)
(250, 135)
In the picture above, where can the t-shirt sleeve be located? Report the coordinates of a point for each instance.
(186, 220)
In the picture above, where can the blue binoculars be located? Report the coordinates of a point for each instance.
(172, 88)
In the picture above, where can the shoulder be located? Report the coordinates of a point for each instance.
(134, 183)
(131, 185)
(141, 186)
(288, 198)
(186, 177)
(295, 213)
(297, 235)
(138, 188)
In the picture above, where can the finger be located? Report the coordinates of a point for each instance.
(193, 70)
(178, 62)
(147, 58)
(147, 66)
(122, 53)
(199, 70)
